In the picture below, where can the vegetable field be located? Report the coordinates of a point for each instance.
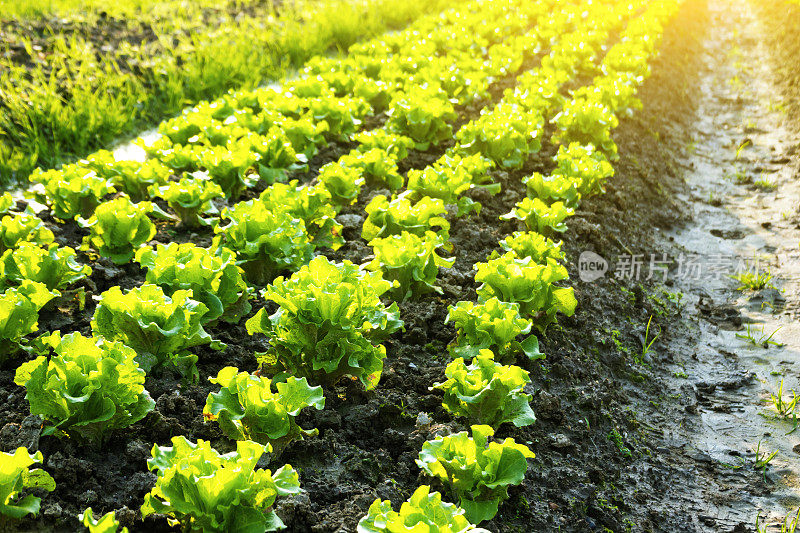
(386, 266)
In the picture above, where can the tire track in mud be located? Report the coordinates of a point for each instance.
(736, 345)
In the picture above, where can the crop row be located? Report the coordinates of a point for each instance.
(331, 319)
(518, 289)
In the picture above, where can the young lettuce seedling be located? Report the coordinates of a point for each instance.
(229, 494)
(313, 205)
(424, 511)
(105, 373)
(19, 315)
(213, 278)
(56, 267)
(190, 198)
(477, 471)
(530, 284)
(15, 477)
(134, 178)
(409, 262)
(266, 243)
(491, 325)
(247, 408)
(107, 523)
(162, 329)
(391, 217)
(330, 323)
(70, 192)
(118, 228)
(540, 217)
(23, 227)
(507, 135)
(486, 392)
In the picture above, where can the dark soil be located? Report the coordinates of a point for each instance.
(598, 463)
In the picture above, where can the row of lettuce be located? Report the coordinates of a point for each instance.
(518, 289)
(330, 320)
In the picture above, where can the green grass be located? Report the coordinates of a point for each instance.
(754, 280)
(92, 96)
(125, 8)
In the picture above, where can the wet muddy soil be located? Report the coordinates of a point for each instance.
(736, 343)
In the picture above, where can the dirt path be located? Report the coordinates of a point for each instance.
(737, 346)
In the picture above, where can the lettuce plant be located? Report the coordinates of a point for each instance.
(342, 182)
(310, 87)
(305, 134)
(330, 323)
(133, 178)
(312, 205)
(190, 197)
(424, 512)
(540, 217)
(217, 133)
(396, 145)
(422, 116)
(342, 115)
(390, 217)
(183, 129)
(88, 387)
(247, 408)
(506, 135)
(617, 93)
(478, 472)
(17, 476)
(266, 243)
(340, 82)
(117, 228)
(531, 244)
(409, 262)
(588, 166)
(19, 314)
(56, 266)
(486, 392)
(178, 158)
(213, 278)
(72, 191)
(286, 103)
(256, 119)
(587, 122)
(377, 93)
(232, 169)
(7, 202)
(23, 227)
(377, 167)
(631, 59)
(464, 83)
(553, 188)
(276, 154)
(200, 489)
(450, 177)
(535, 91)
(160, 328)
(493, 324)
(107, 523)
(530, 284)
